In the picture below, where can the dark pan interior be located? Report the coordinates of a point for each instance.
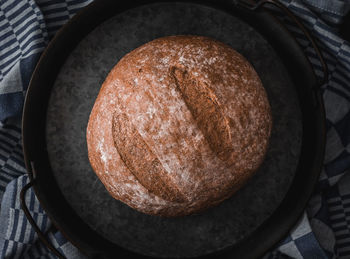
(233, 222)
(73, 96)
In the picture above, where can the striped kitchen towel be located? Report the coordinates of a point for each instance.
(26, 27)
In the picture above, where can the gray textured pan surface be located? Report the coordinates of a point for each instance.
(73, 96)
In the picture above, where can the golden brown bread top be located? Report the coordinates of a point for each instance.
(179, 125)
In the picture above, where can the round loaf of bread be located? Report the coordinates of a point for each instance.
(178, 126)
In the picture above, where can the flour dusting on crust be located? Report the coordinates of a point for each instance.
(198, 119)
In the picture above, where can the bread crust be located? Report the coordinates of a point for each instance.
(179, 125)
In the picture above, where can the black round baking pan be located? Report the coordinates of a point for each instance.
(66, 81)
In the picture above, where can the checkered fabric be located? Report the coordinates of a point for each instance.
(26, 26)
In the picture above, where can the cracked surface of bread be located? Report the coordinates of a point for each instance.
(179, 125)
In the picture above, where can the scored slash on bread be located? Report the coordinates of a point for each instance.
(148, 170)
(206, 111)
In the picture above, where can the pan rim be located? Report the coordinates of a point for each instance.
(28, 115)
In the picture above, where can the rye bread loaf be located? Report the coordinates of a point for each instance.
(179, 125)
